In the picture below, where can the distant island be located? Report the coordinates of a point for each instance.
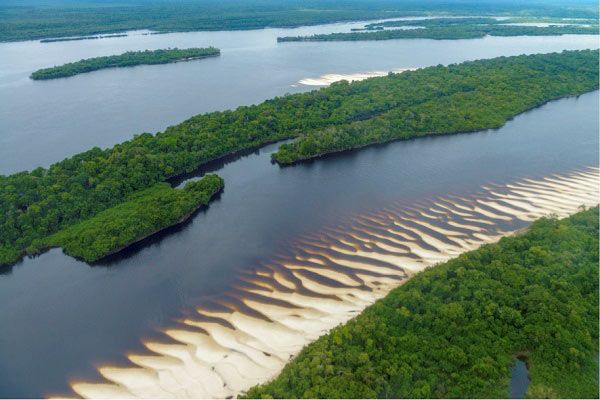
(452, 29)
(70, 39)
(128, 59)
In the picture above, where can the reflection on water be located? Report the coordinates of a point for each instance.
(247, 334)
(519, 380)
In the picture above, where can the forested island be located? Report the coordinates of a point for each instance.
(454, 330)
(447, 29)
(39, 19)
(128, 59)
(142, 214)
(37, 204)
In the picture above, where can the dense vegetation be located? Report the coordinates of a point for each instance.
(454, 330)
(445, 29)
(37, 19)
(472, 97)
(36, 204)
(128, 59)
(141, 215)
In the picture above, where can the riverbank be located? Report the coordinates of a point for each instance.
(328, 79)
(77, 38)
(453, 330)
(292, 157)
(480, 105)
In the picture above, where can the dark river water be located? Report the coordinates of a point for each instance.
(42, 122)
(62, 317)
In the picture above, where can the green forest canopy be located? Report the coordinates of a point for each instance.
(454, 330)
(142, 214)
(38, 19)
(127, 59)
(37, 204)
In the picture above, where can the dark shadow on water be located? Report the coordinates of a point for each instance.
(151, 240)
(219, 163)
(7, 270)
(178, 181)
(382, 146)
(519, 378)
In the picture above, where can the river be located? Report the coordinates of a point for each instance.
(42, 122)
(62, 318)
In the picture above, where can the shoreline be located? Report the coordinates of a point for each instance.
(116, 251)
(333, 153)
(137, 240)
(241, 29)
(328, 278)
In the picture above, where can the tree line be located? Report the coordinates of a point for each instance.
(128, 59)
(454, 330)
(39, 203)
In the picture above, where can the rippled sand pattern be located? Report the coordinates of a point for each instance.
(325, 279)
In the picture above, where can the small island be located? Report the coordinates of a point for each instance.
(128, 59)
